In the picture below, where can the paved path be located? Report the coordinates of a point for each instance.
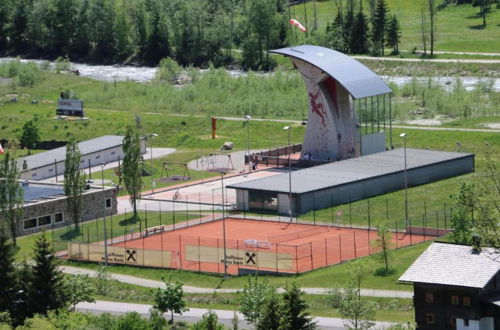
(431, 128)
(192, 289)
(459, 53)
(195, 314)
(434, 60)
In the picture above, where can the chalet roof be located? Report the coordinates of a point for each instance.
(454, 265)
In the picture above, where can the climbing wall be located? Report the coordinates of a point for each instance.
(332, 127)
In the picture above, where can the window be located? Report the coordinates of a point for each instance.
(429, 318)
(98, 157)
(82, 161)
(51, 170)
(429, 297)
(33, 175)
(113, 152)
(30, 223)
(466, 301)
(108, 203)
(466, 322)
(454, 300)
(42, 221)
(58, 217)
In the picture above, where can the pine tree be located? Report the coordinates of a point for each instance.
(270, 317)
(31, 135)
(74, 181)
(45, 287)
(393, 34)
(8, 274)
(379, 27)
(359, 39)
(132, 165)
(294, 315)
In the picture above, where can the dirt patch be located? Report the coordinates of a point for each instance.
(424, 122)
(492, 125)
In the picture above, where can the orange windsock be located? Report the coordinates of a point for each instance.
(297, 24)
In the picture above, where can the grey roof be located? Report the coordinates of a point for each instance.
(349, 170)
(454, 265)
(354, 76)
(59, 154)
(35, 192)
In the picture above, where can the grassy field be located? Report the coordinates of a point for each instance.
(458, 28)
(388, 309)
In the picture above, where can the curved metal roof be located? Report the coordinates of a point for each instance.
(355, 77)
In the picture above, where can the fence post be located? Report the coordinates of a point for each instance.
(350, 212)
(423, 222)
(437, 224)
(187, 212)
(311, 252)
(386, 209)
(276, 253)
(199, 262)
(444, 208)
(111, 229)
(397, 233)
(159, 210)
(340, 248)
(296, 260)
(326, 253)
(411, 234)
(314, 208)
(331, 206)
(369, 217)
(180, 252)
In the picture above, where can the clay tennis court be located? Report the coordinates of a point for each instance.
(253, 245)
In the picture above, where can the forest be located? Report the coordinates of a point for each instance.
(192, 32)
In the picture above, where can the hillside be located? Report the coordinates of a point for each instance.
(459, 28)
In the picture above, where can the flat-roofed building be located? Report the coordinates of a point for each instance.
(104, 149)
(45, 206)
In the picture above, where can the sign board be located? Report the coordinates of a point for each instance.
(68, 107)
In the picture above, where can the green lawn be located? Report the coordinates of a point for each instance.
(458, 28)
(388, 309)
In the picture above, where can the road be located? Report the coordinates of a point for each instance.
(192, 289)
(195, 314)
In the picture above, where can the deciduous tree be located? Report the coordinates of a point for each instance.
(170, 299)
(356, 311)
(255, 294)
(74, 181)
(131, 165)
(11, 194)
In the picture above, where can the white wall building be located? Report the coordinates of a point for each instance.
(104, 149)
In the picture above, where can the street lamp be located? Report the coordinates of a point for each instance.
(104, 220)
(403, 135)
(149, 136)
(223, 224)
(247, 118)
(288, 128)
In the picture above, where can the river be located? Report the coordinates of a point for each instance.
(145, 74)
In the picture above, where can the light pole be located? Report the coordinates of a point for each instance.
(223, 224)
(104, 221)
(247, 118)
(288, 128)
(403, 135)
(149, 136)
